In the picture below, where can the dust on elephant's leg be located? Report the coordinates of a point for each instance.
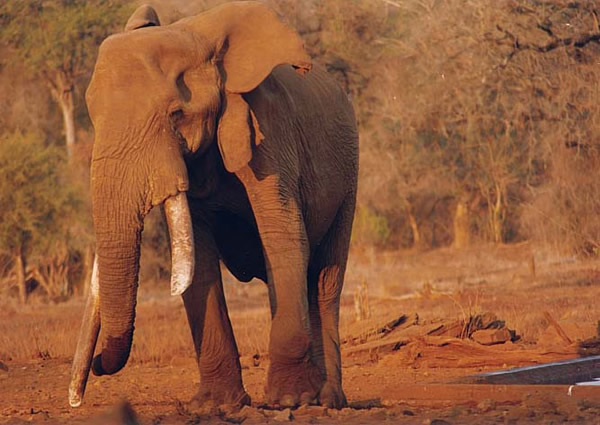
(326, 277)
(293, 376)
(216, 350)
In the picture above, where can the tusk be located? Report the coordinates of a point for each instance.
(179, 222)
(88, 336)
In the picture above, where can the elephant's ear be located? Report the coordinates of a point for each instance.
(250, 41)
(238, 131)
(144, 16)
(233, 135)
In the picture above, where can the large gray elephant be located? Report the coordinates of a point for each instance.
(253, 152)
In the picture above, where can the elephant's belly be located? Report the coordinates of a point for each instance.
(240, 247)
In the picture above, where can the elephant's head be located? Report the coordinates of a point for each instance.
(158, 95)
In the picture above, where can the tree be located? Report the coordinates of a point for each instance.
(467, 104)
(38, 205)
(56, 41)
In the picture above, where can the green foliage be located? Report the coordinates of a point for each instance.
(38, 203)
(59, 35)
(56, 42)
(369, 227)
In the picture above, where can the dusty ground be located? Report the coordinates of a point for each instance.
(402, 374)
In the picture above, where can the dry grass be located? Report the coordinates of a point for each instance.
(443, 284)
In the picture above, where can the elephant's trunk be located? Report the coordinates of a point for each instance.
(118, 223)
(119, 206)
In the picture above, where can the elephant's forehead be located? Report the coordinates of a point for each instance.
(152, 50)
(144, 65)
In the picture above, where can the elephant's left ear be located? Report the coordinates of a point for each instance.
(144, 16)
(251, 41)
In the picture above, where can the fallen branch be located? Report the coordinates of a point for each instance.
(579, 41)
(558, 328)
(379, 332)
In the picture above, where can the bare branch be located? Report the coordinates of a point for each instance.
(595, 18)
(579, 40)
(392, 3)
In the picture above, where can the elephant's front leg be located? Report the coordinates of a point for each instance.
(216, 350)
(293, 376)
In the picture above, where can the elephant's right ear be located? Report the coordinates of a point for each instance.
(238, 132)
(144, 16)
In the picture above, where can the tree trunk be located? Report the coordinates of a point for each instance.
(67, 108)
(62, 87)
(497, 219)
(461, 224)
(20, 275)
(414, 227)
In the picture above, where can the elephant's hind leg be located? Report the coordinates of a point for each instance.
(216, 350)
(325, 281)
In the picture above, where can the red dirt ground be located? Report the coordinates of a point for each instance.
(36, 392)
(407, 375)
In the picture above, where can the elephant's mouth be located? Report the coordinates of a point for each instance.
(181, 141)
(182, 269)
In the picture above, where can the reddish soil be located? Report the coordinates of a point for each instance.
(403, 374)
(36, 392)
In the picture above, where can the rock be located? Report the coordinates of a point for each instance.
(122, 414)
(247, 413)
(435, 422)
(16, 421)
(346, 411)
(491, 336)
(311, 411)
(366, 404)
(520, 414)
(284, 415)
(486, 405)
(589, 347)
(3, 367)
(376, 415)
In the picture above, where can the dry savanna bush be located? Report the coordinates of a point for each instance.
(481, 118)
(479, 121)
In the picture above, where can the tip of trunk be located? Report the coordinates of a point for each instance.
(113, 357)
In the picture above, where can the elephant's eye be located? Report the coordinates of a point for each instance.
(176, 115)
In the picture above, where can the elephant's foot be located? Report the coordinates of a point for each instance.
(214, 395)
(290, 385)
(332, 396)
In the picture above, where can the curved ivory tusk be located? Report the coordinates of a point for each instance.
(179, 222)
(88, 336)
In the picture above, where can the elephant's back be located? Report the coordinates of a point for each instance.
(326, 108)
(314, 114)
(315, 95)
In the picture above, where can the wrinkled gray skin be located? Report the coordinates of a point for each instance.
(226, 107)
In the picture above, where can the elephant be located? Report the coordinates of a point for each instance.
(223, 120)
